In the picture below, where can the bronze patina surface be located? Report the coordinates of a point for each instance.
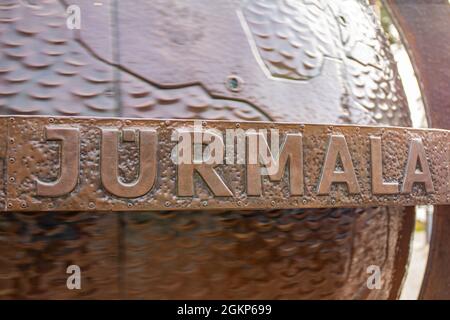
(301, 61)
(72, 164)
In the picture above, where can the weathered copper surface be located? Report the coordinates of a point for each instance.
(424, 26)
(55, 164)
(304, 61)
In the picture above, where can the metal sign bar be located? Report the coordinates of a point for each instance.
(105, 164)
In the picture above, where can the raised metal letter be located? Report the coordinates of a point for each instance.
(185, 177)
(292, 151)
(69, 163)
(412, 174)
(148, 142)
(378, 185)
(338, 148)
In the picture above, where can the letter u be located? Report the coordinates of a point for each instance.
(110, 163)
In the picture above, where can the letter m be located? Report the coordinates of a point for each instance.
(259, 153)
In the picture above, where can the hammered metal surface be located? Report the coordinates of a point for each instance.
(343, 67)
(185, 51)
(44, 70)
(32, 159)
(280, 254)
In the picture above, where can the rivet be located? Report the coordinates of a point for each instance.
(11, 140)
(91, 205)
(272, 203)
(12, 160)
(51, 120)
(23, 205)
(304, 201)
(234, 83)
(12, 179)
(167, 203)
(205, 203)
(238, 125)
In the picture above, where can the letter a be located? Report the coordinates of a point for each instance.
(338, 148)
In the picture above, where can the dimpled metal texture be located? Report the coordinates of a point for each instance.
(304, 61)
(33, 160)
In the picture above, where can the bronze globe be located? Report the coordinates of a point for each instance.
(308, 61)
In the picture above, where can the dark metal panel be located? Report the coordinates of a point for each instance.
(38, 247)
(279, 254)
